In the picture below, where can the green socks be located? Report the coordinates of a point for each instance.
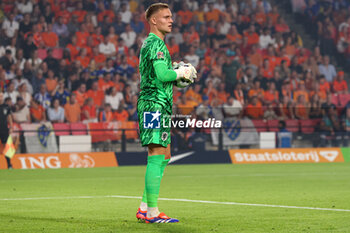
(155, 169)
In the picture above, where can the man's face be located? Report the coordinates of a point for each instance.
(163, 21)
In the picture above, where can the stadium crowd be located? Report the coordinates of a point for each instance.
(72, 61)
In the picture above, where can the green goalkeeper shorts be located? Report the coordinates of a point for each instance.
(154, 122)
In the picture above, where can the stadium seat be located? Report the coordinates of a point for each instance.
(131, 133)
(308, 126)
(61, 129)
(78, 128)
(292, 125)
(57, 53)
(272, 125)
(42, 54)
(344, 99)
(260, 125)
(335, 99)
(97, 132)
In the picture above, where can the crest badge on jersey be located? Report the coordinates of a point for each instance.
(160, 55)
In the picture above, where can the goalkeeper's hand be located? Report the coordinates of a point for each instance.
(185, 72)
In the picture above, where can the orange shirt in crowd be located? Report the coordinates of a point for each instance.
(321, 94)
(258, 93)
(238, 94)
(299, 93)
(253, 38)
(102, 85)
(234, 38)
(81, 38)
(51, 84)
(73, 51)
(267, 73)
(90, 109)
(81, 97)
(260, 18)
(101, 58)
(290, 50)
(133, 61)
(72, 112)
(273, 17)
(271, 97)
(173, 49)
(301, 111)
(98, 39)
(104, 13)
(64, 14)
(223, 96)
(38, 113)
(121, 116)
(325, 87)
(194, 95)
(254, 112)
(105, 116)
(80, 14)
(97, 96)
(212, 15)
(84, 61)
(340, 86)
(186, 16)
(256, 59)
(187, 108)
(50, 39)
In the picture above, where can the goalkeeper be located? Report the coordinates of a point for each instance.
(155, 104)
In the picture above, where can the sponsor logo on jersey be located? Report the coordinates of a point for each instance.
(160, 55)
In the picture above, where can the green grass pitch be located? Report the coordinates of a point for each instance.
(306, 185)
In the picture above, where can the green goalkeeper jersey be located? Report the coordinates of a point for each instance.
(152, 89)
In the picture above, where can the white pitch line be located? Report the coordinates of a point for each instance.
(180, 200)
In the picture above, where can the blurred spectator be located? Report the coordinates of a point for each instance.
(121, 114)
(23, 92)
(81, 94)
(43, 97)
(21, 113)
(10, 28)
(204, 110)
(132, 109)
(232, 108)
(106, 115)
(61, 30)
(114, 98)
(315, 107)
(11, 92)
(88, 111)
(328, 70)
(302, 108)
(37, 112)
(72, 110)
(340, 86)
(269, 113)
(107, 48)
(95, 94)
(330, 128)
(55, 113)
(129, 36)
(7, 60)
(254, 109)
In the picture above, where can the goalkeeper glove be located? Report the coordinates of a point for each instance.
(184, 72)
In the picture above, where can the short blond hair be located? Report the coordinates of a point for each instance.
(154, 8)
